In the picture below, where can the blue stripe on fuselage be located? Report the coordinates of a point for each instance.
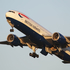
(34, 37)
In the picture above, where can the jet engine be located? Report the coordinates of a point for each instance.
(58, 38)
(13, 39)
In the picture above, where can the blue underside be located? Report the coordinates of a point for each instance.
(36, 38)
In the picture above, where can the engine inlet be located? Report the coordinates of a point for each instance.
(55, 36)
(10, 38)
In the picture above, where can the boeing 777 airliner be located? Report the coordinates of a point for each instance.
(36, 37)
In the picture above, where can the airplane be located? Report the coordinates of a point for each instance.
(36, 37)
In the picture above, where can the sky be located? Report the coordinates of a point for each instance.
(54, 15)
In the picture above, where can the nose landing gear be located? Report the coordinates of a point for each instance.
(12, 30)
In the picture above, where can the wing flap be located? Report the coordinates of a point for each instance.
(25, 40)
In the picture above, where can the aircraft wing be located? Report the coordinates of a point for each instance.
(23, 42)
(49, 39)
(5, 42)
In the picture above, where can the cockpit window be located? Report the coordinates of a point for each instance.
(12, 11)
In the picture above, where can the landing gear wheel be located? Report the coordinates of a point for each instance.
(34, 55)
(11, 30)
(37, 56)
(30, 54)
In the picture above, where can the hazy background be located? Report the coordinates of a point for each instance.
(53, 15)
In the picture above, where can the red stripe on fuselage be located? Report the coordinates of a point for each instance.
(23, 15)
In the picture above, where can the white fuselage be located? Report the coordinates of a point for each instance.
(29, 23)
(36, 33)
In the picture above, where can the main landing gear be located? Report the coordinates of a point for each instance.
(34, 50)
(34, 55)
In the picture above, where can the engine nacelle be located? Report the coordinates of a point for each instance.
(58, 38)
(13, 39)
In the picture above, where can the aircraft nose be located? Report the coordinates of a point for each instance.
(7, 14)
